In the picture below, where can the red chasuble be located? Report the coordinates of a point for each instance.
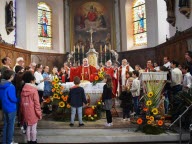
(84, 73)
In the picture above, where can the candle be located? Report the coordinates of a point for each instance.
(82, 49)
(63, 79)
(105, 48)
(101, 48)
(74, 48)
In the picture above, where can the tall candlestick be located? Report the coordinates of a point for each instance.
(105, 48)
(74, 48)
(100, 48)
(83, 49)
(109, 46)
(78, 48)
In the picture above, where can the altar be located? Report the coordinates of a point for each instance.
(92, 92)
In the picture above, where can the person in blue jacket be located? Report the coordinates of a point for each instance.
(9, 105)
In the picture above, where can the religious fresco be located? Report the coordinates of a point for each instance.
(44, 26)
(139, 23)
(95, 15)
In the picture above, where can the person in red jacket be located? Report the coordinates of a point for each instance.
(30, 106)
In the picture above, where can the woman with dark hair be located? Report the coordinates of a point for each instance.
(107, 99)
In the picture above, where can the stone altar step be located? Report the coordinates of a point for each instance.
(107, 135)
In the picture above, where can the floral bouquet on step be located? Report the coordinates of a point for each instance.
(99, 76)
(59, 101)
(152, 116)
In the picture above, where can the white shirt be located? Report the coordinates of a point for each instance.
(135, 89)
(167, 65)
(39, 77)
(187, 81)
(157, 68)
(123, 75)
(176, 77)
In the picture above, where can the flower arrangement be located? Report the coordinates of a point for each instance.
(99, 76)
(152, 118)
(93, 113)
(59, 101)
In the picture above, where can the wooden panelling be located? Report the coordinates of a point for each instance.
(174, 48)
(49, 59)
(14, 53)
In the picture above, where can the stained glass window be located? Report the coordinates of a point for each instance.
(139, 23)
(44, 26)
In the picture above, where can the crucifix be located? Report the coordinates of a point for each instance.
(91, 33)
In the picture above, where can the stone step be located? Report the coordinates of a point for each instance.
(107, 135)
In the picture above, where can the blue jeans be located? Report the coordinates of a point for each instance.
(136, 104)
(73, 113)
(8, 127)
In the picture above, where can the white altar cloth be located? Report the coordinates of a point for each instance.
(94, 91)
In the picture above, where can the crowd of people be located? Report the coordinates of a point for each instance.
(23, 89)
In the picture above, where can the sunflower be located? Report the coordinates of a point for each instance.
(160, 122)
(150, 94)
(149, 122)
(61, 104)
(155, 111)
(147, 117)
(151, 118)
(55, 95)
(149, 102)
(57, 90)
(139, 121)
(96, 78)
(99, 73)
(56, 79)
(56, 86)
(68, 106)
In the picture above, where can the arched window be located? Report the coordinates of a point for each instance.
(44, 26)
(139, 23)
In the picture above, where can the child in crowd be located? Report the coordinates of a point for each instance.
(30, 106)
(107, 99)
(187, 80)
(76, 100)
(9, 105)
(126, 97)
(135, 91)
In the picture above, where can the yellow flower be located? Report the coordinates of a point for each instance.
(151, 118)
(147, 117)
(93, 107)
(99, 103)
(99, 73)
(89, 115)
(149, 102)
(56, 79)
(56, 86)
(61, 104)
(92, 118)
(150, 94)
(96, 78)
(62, 88)
(57, 91)
(155, 111)
(102, 69)
(55, 95)
(95, 115)
(149, 122)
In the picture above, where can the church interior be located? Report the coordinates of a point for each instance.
(57, 32)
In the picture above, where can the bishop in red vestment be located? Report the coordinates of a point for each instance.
(84, 72)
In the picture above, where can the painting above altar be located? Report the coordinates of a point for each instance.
(96, 15)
